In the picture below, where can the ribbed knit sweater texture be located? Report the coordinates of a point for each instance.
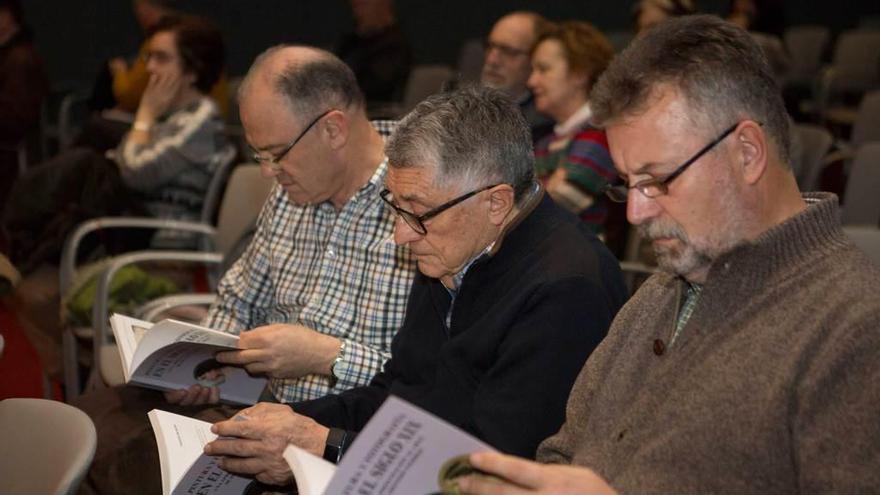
(772, 387)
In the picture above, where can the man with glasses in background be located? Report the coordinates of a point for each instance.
(512, 295)
(320, 291)
(751, 364)
(507, 64)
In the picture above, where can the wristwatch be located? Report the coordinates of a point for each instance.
(335, 445)
(334, 373)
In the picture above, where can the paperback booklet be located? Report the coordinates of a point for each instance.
(185, 469)
(171, 355)
(403, 450)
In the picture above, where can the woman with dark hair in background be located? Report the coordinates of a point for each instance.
(119, 86)
(161, 168)
(573, 162)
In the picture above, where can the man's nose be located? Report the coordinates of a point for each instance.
(492, 56)
(640, 207)
(403, 233)
(268, 171)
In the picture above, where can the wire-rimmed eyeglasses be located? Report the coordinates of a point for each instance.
(659, 186)
(274, 162)
(416, 222)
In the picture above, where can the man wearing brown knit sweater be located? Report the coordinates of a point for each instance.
(752, 363)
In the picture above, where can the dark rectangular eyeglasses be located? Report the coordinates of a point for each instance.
(274, 162)
(416, 222)
(659, 186)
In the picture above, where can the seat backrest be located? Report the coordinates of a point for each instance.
(775, 53)
(862, 197)
(813, 144)
(425, 80)
(225, 161)
(805, 45)
(47, 447)
(867, 238)
(856, 60)
(246, 191)
(867, 124)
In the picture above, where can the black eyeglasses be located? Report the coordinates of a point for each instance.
(273, 162)
(659, 186)
(416, 222)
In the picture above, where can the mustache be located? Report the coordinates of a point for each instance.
(656, 230)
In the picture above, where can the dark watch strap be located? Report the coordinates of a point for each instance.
(335, 445)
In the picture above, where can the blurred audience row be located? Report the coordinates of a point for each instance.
(156, 133)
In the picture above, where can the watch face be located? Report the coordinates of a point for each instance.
(333, 447)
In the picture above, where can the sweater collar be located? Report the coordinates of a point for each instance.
(530, 202)
(813, 232)
(574, 122)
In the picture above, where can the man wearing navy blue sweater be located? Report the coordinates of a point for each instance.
(512, 296)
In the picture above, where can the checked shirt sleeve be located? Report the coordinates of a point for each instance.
(245, 293)
(359, 364)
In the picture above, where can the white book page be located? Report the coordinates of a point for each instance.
(311, 473)
(185, 468)
(128, 332)
(169, 331)
(400, 452)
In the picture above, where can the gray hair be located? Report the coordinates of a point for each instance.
(718, 68)
(311, 85)
(474, 136)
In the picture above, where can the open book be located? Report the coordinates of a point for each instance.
(403, 450)
(171, 355)
(185, 469)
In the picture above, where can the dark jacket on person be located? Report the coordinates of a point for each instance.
(524, 320)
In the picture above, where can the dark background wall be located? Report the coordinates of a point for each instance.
(75, 37)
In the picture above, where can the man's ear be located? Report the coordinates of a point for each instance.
(501, 202)
(751, 151)
(336, 129)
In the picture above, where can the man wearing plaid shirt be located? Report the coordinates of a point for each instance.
(321, 290)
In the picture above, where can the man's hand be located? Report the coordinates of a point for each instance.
(252, 442)
(528, 477)
(195, 395)
(284, 351)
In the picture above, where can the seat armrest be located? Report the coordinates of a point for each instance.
(102, 293)
(73, 241)
(152, 309)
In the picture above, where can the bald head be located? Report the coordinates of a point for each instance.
(506, 65)
(308, 79)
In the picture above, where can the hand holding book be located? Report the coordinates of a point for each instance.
(508, 474)
(254, 446)
(283, 351)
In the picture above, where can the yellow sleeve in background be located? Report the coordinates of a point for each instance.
(220, 94)
(129, 85)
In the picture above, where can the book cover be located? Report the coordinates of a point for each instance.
(171, 355)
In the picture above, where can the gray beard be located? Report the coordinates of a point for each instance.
(678, 260)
